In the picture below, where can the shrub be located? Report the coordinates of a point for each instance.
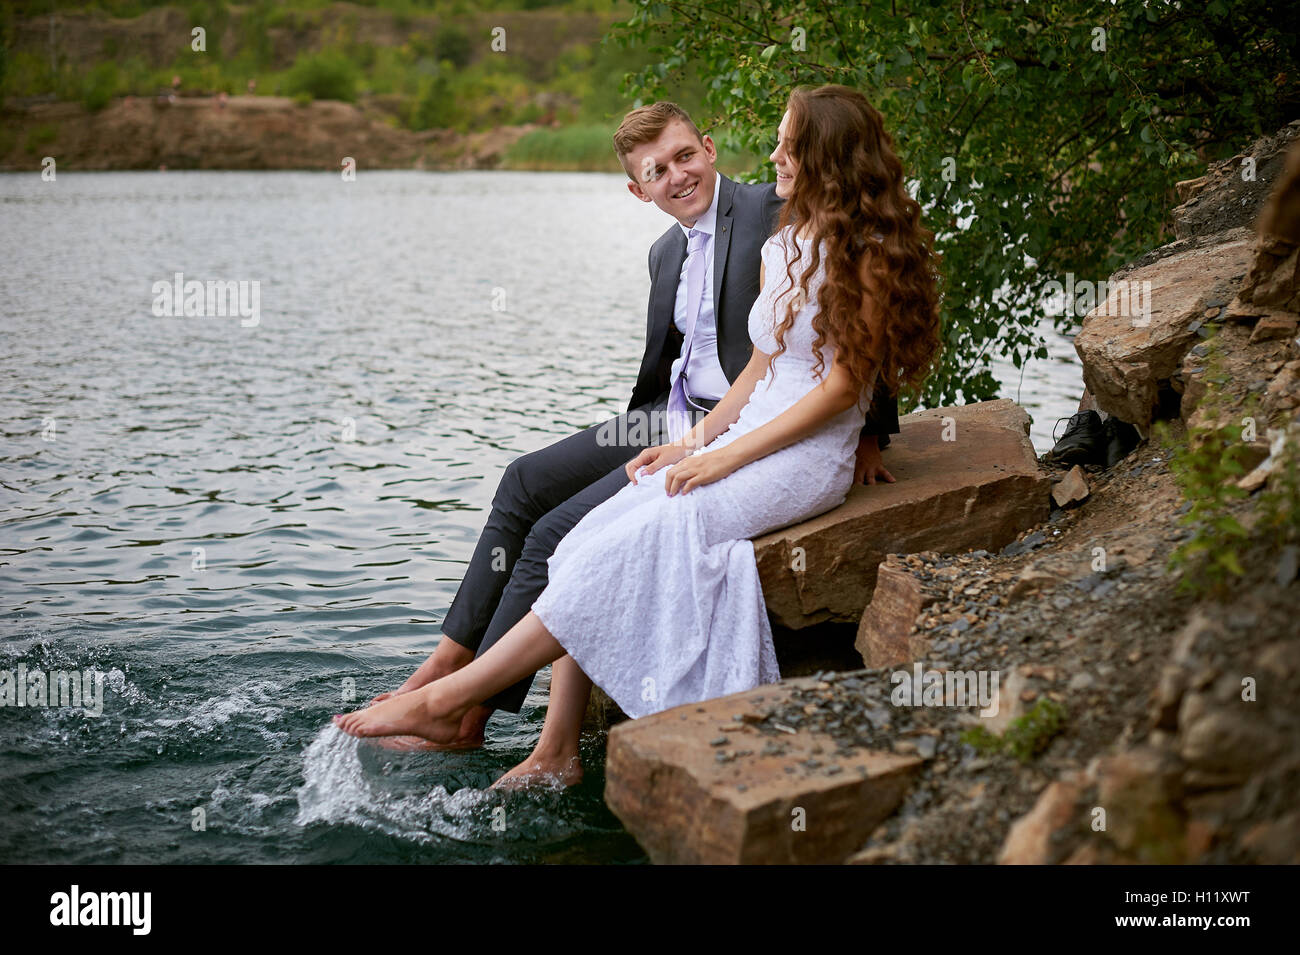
(453, 44)
(325, 75)
(434, 106)
(1026, 737)
(99, 86)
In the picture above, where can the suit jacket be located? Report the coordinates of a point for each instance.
(746, 218)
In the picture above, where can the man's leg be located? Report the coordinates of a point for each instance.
(531, 487)
(529, 577)
(530, 573)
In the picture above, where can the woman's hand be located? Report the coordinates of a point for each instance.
(697, 470)
(652, 459)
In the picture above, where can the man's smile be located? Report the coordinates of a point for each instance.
(687, 192)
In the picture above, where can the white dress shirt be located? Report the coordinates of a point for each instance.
(704, 376)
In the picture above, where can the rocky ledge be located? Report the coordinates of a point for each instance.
(966, 477)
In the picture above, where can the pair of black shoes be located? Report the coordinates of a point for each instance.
(1089, 440)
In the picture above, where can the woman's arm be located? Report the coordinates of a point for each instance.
(722, 417)
(833, 395)
(728, 408)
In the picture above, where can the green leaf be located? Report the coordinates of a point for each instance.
(768, 53)
(1228, 560)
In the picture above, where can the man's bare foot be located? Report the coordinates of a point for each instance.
(418, 713)
(447, 657)
(472, 728)
(553, 771)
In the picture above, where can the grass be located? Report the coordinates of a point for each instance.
(1026, 737)
(590, 146)
(586, 146)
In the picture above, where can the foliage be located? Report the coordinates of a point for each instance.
(324, 75)
(1040, 139)
(453, 45)
(1207, 466)
(434, 106)
(100, 85)
(1026, 737)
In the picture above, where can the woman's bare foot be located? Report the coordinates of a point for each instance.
(418, 713)
(541, 769)
(472, 727)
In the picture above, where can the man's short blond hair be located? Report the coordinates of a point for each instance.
(644, 124)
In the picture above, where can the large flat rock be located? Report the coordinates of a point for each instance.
(967, 478)
(694, 785)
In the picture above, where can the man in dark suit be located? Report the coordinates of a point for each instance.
(542, 495)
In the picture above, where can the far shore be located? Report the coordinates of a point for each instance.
(281, 133)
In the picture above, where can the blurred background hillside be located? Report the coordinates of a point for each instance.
(415, 66)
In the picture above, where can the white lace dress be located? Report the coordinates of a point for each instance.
(657, 598)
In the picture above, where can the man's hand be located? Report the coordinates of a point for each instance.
(868, 464)
(652, 459)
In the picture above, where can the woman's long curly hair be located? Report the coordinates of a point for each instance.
(848, 187)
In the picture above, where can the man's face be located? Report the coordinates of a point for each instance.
(675, 172)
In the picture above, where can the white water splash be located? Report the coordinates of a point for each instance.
(340, 789)
(251, 702)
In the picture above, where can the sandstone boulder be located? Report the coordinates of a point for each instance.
(1030, 839)
(887, 634)
(695, 785)
(1129, 352)
(967, 478)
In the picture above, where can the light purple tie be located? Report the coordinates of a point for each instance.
(679, 415)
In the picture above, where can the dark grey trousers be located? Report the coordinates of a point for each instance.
(541, 496)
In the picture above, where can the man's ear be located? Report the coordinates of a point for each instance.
(710, 150)
(636, 190)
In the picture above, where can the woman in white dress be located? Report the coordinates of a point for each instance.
(655, 595)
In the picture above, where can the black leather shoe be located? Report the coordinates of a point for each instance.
(1084, 441)
(1121, 439)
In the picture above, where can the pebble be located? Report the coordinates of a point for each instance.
(1081, 681)
(1288, 564)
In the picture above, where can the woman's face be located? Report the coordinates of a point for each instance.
(787, 167)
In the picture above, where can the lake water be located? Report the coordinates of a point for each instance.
(237, 521)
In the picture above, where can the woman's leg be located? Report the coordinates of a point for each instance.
(555, 758)
(435, 711)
